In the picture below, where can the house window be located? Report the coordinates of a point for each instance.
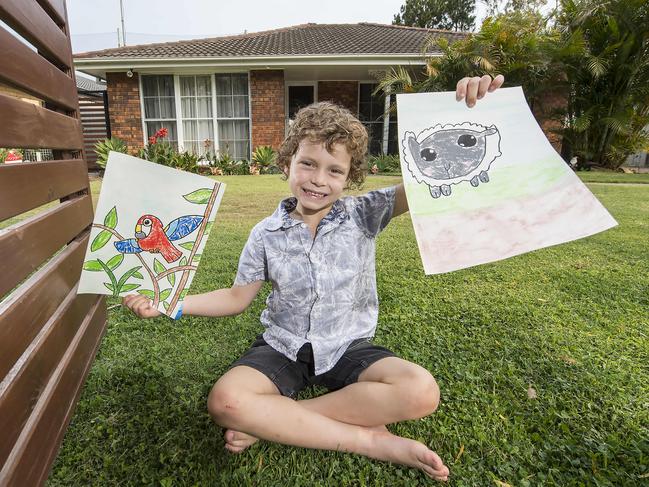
(159, 105)
(382, 130)
(233, 117)
(198, 96)
(197, 117)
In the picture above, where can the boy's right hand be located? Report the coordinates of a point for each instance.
(140, 305)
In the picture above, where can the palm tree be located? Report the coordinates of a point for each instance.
(593, 53)
(605, 54)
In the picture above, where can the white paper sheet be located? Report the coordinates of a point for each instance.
(151, 226)
(484, 184)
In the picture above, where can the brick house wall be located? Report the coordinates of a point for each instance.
(344, 93)
(267, 101)
(267, 108)
(125, 110)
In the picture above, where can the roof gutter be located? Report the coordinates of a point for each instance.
(113, 64)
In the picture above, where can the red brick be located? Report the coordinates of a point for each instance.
(124, 108)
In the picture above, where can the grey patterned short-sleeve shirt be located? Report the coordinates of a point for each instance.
(324, 289)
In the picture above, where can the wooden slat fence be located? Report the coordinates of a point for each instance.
(93, 108)
(48, 334)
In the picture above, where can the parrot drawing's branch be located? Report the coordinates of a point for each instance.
(199, 237)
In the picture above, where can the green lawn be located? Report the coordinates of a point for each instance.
(569, 321)
(613, 177)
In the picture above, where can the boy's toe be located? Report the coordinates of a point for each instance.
(234, 449)
(433, 465)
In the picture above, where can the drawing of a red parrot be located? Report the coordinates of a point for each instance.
(152, 237)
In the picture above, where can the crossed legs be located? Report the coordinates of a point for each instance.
(351, 419)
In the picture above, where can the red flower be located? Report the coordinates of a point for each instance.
(163, 132)
(153, 139)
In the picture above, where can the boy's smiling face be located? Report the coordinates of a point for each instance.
(317, 178)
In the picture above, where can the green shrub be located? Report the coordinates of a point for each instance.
(187, 161)
(226, 165)
(265, 158)
(385, 164)
(102, 149)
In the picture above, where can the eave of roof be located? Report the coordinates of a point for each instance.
(121, 64)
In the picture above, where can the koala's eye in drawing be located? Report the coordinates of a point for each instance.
(466, 140)
(147, 222)
(428, 155)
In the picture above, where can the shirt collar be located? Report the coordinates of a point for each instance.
(281, 218)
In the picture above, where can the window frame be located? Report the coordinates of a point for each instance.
(229, 119)
(386, 111)
(144, 120)
(178, 119)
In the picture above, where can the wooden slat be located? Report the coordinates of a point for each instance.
(23, 248)
(55, 8)
(31, 184)
(38, 444)
(26, 310)
(29, 20)
(33, 74)
(26, 125)
(35, 367)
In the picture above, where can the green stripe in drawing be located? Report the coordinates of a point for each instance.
(530, 179)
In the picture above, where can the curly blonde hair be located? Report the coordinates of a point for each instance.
(328, 123)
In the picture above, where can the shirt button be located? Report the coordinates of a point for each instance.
(303, 225)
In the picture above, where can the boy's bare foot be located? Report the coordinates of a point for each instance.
(236, 441)
(385, 446)
(395, 449)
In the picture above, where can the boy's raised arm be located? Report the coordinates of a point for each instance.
(400, 201)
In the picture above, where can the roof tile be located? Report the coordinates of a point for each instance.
(299, 40)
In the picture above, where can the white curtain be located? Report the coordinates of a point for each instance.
(196, 100)
(232, 108)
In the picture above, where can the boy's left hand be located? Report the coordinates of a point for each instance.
(473, 89)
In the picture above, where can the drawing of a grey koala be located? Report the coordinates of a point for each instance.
(451, 154)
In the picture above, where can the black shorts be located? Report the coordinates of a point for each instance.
(292, 377)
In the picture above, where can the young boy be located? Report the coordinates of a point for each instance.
(318, 251)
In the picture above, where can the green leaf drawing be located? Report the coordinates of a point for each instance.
(92, 265)
(147, 292)
(196, 258)
(114, 262)
(165, 294)
(129, 287)
(114, 286)
(171, 278)
(200, 196)
(187, 245)
(125, 277)
(100, 240)
(138, 275)
(111, 218)
(183, 261)
(110, 287)
(208, 227)
(158, 267)
(166, 305)
(183, 293)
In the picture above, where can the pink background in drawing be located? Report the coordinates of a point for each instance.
(460, 240)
